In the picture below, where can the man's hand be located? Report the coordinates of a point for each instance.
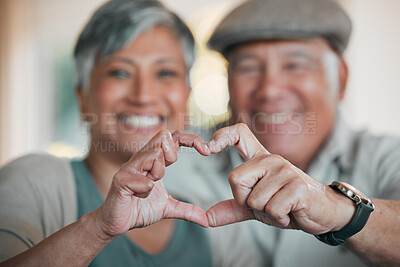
(270, 189)
(137, 197)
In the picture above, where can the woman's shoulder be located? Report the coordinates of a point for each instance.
(40, 180)
(31, 159)
(37, 198)
(35, 166)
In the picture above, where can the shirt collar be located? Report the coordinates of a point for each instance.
(336, 147)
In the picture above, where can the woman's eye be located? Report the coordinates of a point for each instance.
(121, 74)
(166, 73)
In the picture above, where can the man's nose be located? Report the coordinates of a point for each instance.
(270, 86)
(144, 91)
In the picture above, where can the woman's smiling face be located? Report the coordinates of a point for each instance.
(136, 92)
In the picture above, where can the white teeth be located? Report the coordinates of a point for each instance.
(142, 121)
(274, 118)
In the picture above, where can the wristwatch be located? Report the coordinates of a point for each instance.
(364, 207)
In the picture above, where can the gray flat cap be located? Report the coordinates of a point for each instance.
(256, 20)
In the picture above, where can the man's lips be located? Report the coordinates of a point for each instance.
(274, 118)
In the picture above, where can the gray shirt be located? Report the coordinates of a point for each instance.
(370, 163)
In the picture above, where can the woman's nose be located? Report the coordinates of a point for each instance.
(144, 91)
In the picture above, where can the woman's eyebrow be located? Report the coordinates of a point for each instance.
(119, 59)
(130, 61)
(167, 60)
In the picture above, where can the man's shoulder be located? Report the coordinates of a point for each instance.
(380, 151)
(374, 162)
(372, 147)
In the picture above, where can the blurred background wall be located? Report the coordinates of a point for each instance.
(37, 102)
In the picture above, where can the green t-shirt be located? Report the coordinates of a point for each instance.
(188, 245)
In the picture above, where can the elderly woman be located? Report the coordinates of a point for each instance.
(132, 61)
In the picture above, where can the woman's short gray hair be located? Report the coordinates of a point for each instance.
(117, 23)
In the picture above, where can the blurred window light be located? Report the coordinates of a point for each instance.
(64, 150)
(210, 94)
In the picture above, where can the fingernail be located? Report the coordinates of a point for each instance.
(210, 218)
(166, 145)
(207, 148)
(211, 144)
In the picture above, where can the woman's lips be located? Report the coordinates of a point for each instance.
(141, 122)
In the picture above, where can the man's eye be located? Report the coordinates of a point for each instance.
(252, 70)
(166, 73)
(121, 74)
(293, 66)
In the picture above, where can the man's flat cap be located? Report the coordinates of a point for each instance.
(257, 20)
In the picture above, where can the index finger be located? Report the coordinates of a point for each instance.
(240, 136)
(163, 139)
(191, 140)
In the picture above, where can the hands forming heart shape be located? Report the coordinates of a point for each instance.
(266, 188)
(137, 196)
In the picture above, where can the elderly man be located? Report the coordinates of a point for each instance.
(286, 79)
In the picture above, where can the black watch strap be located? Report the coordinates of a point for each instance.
(358, 222)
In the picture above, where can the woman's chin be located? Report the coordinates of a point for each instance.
(141, 130)
(134, 143)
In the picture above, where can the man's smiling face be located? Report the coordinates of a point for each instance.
(287, 92)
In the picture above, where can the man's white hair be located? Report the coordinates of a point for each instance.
(331, 62)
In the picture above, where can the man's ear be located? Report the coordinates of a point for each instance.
(83, 102)
(343, 74)
(187, 92)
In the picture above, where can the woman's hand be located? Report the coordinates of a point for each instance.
(137, 197)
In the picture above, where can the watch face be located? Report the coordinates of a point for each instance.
(355, 190)
(353, 193)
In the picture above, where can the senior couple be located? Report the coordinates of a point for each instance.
(293, 165)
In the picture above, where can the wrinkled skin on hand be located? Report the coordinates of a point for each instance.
(270, 189)
(137, 196)
(266, 187)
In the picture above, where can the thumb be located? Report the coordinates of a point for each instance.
(227, 212)
(176, 209)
